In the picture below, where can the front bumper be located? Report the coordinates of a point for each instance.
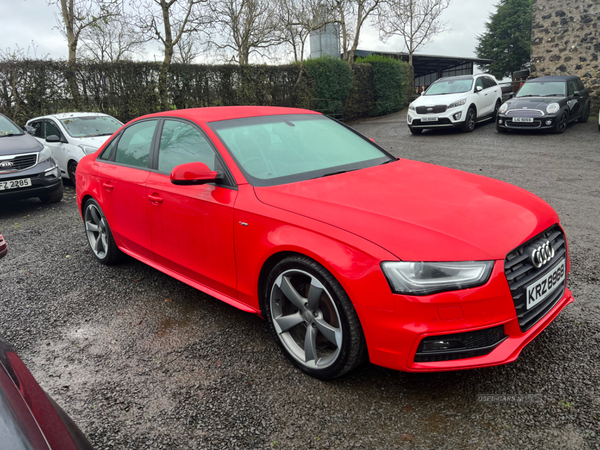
(453, 117)
(545, 122)
(393, 337)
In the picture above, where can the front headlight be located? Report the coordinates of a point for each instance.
(552, 108)
(87, 149)
(424, 278)
(460, 102)
(411, 107)
(45, 154)
(503, 108)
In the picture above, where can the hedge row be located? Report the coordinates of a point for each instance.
(127, 90)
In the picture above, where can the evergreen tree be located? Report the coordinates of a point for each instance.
(508, 38)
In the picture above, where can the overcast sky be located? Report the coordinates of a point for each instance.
(27, 21)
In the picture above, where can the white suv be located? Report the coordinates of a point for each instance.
(71, 136)
(458, 102)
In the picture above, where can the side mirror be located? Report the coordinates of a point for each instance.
(193, 173)
(576, 94)
(52, 138)
(478, 88)
(511, 94)
(423, 93)
(372, 140)
(29, 130)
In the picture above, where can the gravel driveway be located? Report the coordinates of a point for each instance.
(141, 360)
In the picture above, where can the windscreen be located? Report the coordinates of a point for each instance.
(543, 89)
(442, 87)
(8, 128)
(89, 126)
(280, 149)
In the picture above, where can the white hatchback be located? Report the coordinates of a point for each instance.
(71, 136)
(459, 102)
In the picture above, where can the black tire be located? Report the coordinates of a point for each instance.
(585, 115)
(415, 130)
(496, 108)
(319, 314)
(561, 124)
(500, 129)
(55, 197)
(98, 234)
(71, 169)
(470, 119)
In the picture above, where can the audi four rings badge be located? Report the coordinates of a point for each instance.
(542, 254)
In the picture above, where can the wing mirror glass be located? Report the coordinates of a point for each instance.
(193, 173)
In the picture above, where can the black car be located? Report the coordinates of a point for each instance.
(27, 168)
(546, 103)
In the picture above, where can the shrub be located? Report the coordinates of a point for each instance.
(390, 82)
(332, 80)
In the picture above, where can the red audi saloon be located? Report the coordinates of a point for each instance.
(349, 253)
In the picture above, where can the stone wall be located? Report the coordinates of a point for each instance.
(565, 40)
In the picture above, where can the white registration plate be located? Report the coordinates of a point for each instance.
(14, 184)
(429, 119)
(545, 286)
(523, 119)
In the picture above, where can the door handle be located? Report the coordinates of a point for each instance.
(108, 186)
(155, 198)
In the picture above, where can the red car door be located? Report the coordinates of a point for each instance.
(191, 226)
(122, 182)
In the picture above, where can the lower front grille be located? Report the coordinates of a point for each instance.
(521, 273)
(450, 347)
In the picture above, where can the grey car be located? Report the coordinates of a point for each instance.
(27, 167)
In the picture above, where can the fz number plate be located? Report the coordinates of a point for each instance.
(523, 119)
(14, 184)
(546, 285)
(429, 119)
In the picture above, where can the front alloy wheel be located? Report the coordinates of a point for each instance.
(99, 235)
(312, 319)
(561, 124)
(469, 124)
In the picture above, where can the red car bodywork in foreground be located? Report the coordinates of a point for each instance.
(227, 241)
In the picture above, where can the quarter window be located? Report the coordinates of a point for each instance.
(479, 82)
(572, 86)
(134, 146)
(182, 143)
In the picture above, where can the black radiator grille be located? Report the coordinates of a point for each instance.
(520, 273)
(21, 162)
(438, 109)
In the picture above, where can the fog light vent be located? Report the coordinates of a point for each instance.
(460, 345)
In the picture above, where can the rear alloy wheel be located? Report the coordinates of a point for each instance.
(99, 235)
(586, 114)
(561, 124)
(312, 319)
(469, 124)
(415, 130)
(498, 104)
(71, 171)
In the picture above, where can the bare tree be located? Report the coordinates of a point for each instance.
(74, 17)
(352, 15)
(169, 21)
(245, 27)
(416, 21)
(186, 49)
(299, 18)
(116, 41)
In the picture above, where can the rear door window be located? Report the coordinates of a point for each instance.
(134, 146)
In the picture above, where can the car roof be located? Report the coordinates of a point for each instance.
(68, 115)
(553, 78)
(217, 113)
(459, 77)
